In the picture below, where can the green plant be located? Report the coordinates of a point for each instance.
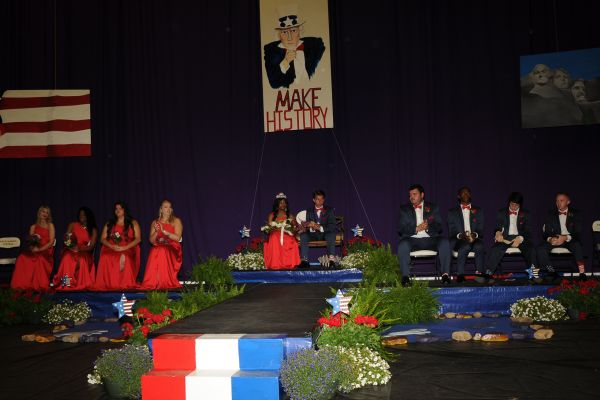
(123, 367)
(198, 298)
(539, 308)
(18, 307)
(366, 366)
(313, 375)
(381, 266)
(68, 310)
(350, 334)
(212, 272)
(396, 304)
(410, 305)
(155, 301)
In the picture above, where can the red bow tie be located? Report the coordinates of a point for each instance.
(562, 213)
(512, 213)
(318, 209)
(417, 206)
(467, 207)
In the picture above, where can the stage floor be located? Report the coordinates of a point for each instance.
(565, 367)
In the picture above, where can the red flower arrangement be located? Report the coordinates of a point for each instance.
(578, 296)
(253, 245)
(340, 319)
(146, 322)
(359, 243)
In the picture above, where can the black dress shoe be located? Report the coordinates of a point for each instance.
(446, 279)
(304, 265)
(405, 281)
(460, 278)
(582, 277)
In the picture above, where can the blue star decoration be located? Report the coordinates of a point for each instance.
(245, 232)
(124, 306)
(533, 272)
(340, 303)
(357, 230)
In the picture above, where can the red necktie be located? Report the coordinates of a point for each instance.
(417, 206)
(512, 213)
(467, 207)
(562, 213)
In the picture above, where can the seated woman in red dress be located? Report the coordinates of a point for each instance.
(77, 270)
(119, 262)
(281, 249)
(164, 260)
(34, 265)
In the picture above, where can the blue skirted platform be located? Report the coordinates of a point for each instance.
(298, 276)
(485, 299)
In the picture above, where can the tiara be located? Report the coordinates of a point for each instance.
(281, 195)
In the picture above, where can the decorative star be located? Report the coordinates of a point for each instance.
(530, 272)
(358, 231)
(124, 306)
(340, 303)
(65, 280)
(245, 232)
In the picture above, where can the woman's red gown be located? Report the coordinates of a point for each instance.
(278, 255)
(117, 270)
(32, 270)
(164, 262)
(77, 265)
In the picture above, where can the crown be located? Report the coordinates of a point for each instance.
(281, 195)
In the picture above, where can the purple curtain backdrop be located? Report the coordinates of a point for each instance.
(424, 91)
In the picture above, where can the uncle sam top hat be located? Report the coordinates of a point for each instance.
(287, 17)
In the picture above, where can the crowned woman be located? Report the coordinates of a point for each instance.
(281, 249)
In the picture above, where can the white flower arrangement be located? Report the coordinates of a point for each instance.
(355, 260)
(368, 368)
(539, 308)
(287, 226)
(246, 261)
(68, 311)
(94, 378)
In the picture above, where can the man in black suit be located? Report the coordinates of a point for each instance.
(465, 229)
(562, 228)
(292, 59)
(513, 229)
(420, 228)
(320, 222)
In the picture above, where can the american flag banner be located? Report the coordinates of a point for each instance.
(45, 123)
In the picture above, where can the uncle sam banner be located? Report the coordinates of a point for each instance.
(296, 65)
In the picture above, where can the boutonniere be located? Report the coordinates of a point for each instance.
(427, 209)
(430, 218)
(474, 219)
(570, 214)
(473, 211)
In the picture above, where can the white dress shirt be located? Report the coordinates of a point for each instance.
(563, 224)
(419, 214)
(466, 212)
(512, 227)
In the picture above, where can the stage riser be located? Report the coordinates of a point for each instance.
(228, 366)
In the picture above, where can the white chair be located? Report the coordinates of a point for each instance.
(9, 243)
(424, 254)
